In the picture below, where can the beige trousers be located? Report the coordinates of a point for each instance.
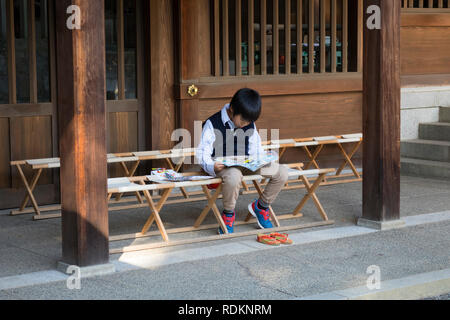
(232, 177)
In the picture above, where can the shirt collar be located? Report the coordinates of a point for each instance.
(225, 118)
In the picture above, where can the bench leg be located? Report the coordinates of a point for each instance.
(312, 157)
(32, 185)
(211, 206)
(176, 169)
(29, 189)
(311, 189)
(348, 160)
(154, 216)
(130, 173)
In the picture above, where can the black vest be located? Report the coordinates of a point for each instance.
(230, 142)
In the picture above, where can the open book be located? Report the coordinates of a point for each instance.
(252, 163)
(161, 175)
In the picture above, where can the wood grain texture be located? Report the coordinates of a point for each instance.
(381, 115)
(160, 88)
(31, 138)
(425, 50)
(82, 127)
(299, 116)
(275, 86)
(5, 168)
(122, 137)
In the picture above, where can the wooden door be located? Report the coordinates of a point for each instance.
(28, 111)
(124, 78)
(27, 95)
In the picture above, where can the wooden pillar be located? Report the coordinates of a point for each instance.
(159, 48)
(188, 41)
(381, 116)
(82, 133)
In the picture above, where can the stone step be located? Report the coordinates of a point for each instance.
(444, 114)
(435, 131)
(425, 168)
(426, 149)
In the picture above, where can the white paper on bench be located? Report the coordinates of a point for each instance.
(115, 159)
(349, 140)
(353, 135)
(271, 146)
(42, 161)
(116, 183)
(146, 153)
(324, 138)
(283, 141)
(187, 150)
(306, 143)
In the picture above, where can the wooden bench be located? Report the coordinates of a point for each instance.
(135, 158)
(318, 143)
(38, 165)
(145, 184)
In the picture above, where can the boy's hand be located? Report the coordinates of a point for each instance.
(218, 167)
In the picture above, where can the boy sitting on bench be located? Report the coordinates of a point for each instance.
(232, 132)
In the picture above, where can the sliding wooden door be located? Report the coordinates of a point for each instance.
(28, 110)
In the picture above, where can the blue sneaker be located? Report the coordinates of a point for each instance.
(229, 222)
(262, 216)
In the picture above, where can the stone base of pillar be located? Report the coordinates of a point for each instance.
(381, 225)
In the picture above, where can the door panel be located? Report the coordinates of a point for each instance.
(31, 138)
(5, 171)
(28, 111)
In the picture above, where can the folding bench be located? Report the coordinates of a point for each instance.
(319, 143)
(146, 183)
(38, 165)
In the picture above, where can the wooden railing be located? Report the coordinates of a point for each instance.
(426, 4)
(259, 37)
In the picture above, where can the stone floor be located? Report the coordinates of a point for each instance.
(29, 246)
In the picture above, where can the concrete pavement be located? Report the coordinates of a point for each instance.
(322, 261)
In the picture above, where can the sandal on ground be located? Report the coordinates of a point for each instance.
(281, 237)
(266, 239)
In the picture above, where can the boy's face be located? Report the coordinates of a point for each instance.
(238, 121)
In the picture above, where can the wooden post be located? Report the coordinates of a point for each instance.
(82, 134)
(188, 26)
(381, 117)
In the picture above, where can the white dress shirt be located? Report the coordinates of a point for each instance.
(205, 148)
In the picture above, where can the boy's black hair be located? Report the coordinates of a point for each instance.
(247, 103)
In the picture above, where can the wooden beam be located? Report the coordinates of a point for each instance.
(263, 37)
(32, 51)
(275, 39)
(12, 77)
(287, 37)
(251, 38)
(188, 27)
(381, 115)
(238, 37)
(299, 37)
(120, 49)
(311, 33)
(82, 131)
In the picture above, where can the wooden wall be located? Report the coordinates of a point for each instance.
(425, 43)
(177, 54)
(299, 106)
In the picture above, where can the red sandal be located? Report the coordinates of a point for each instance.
(266, 239)
(281, 237)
